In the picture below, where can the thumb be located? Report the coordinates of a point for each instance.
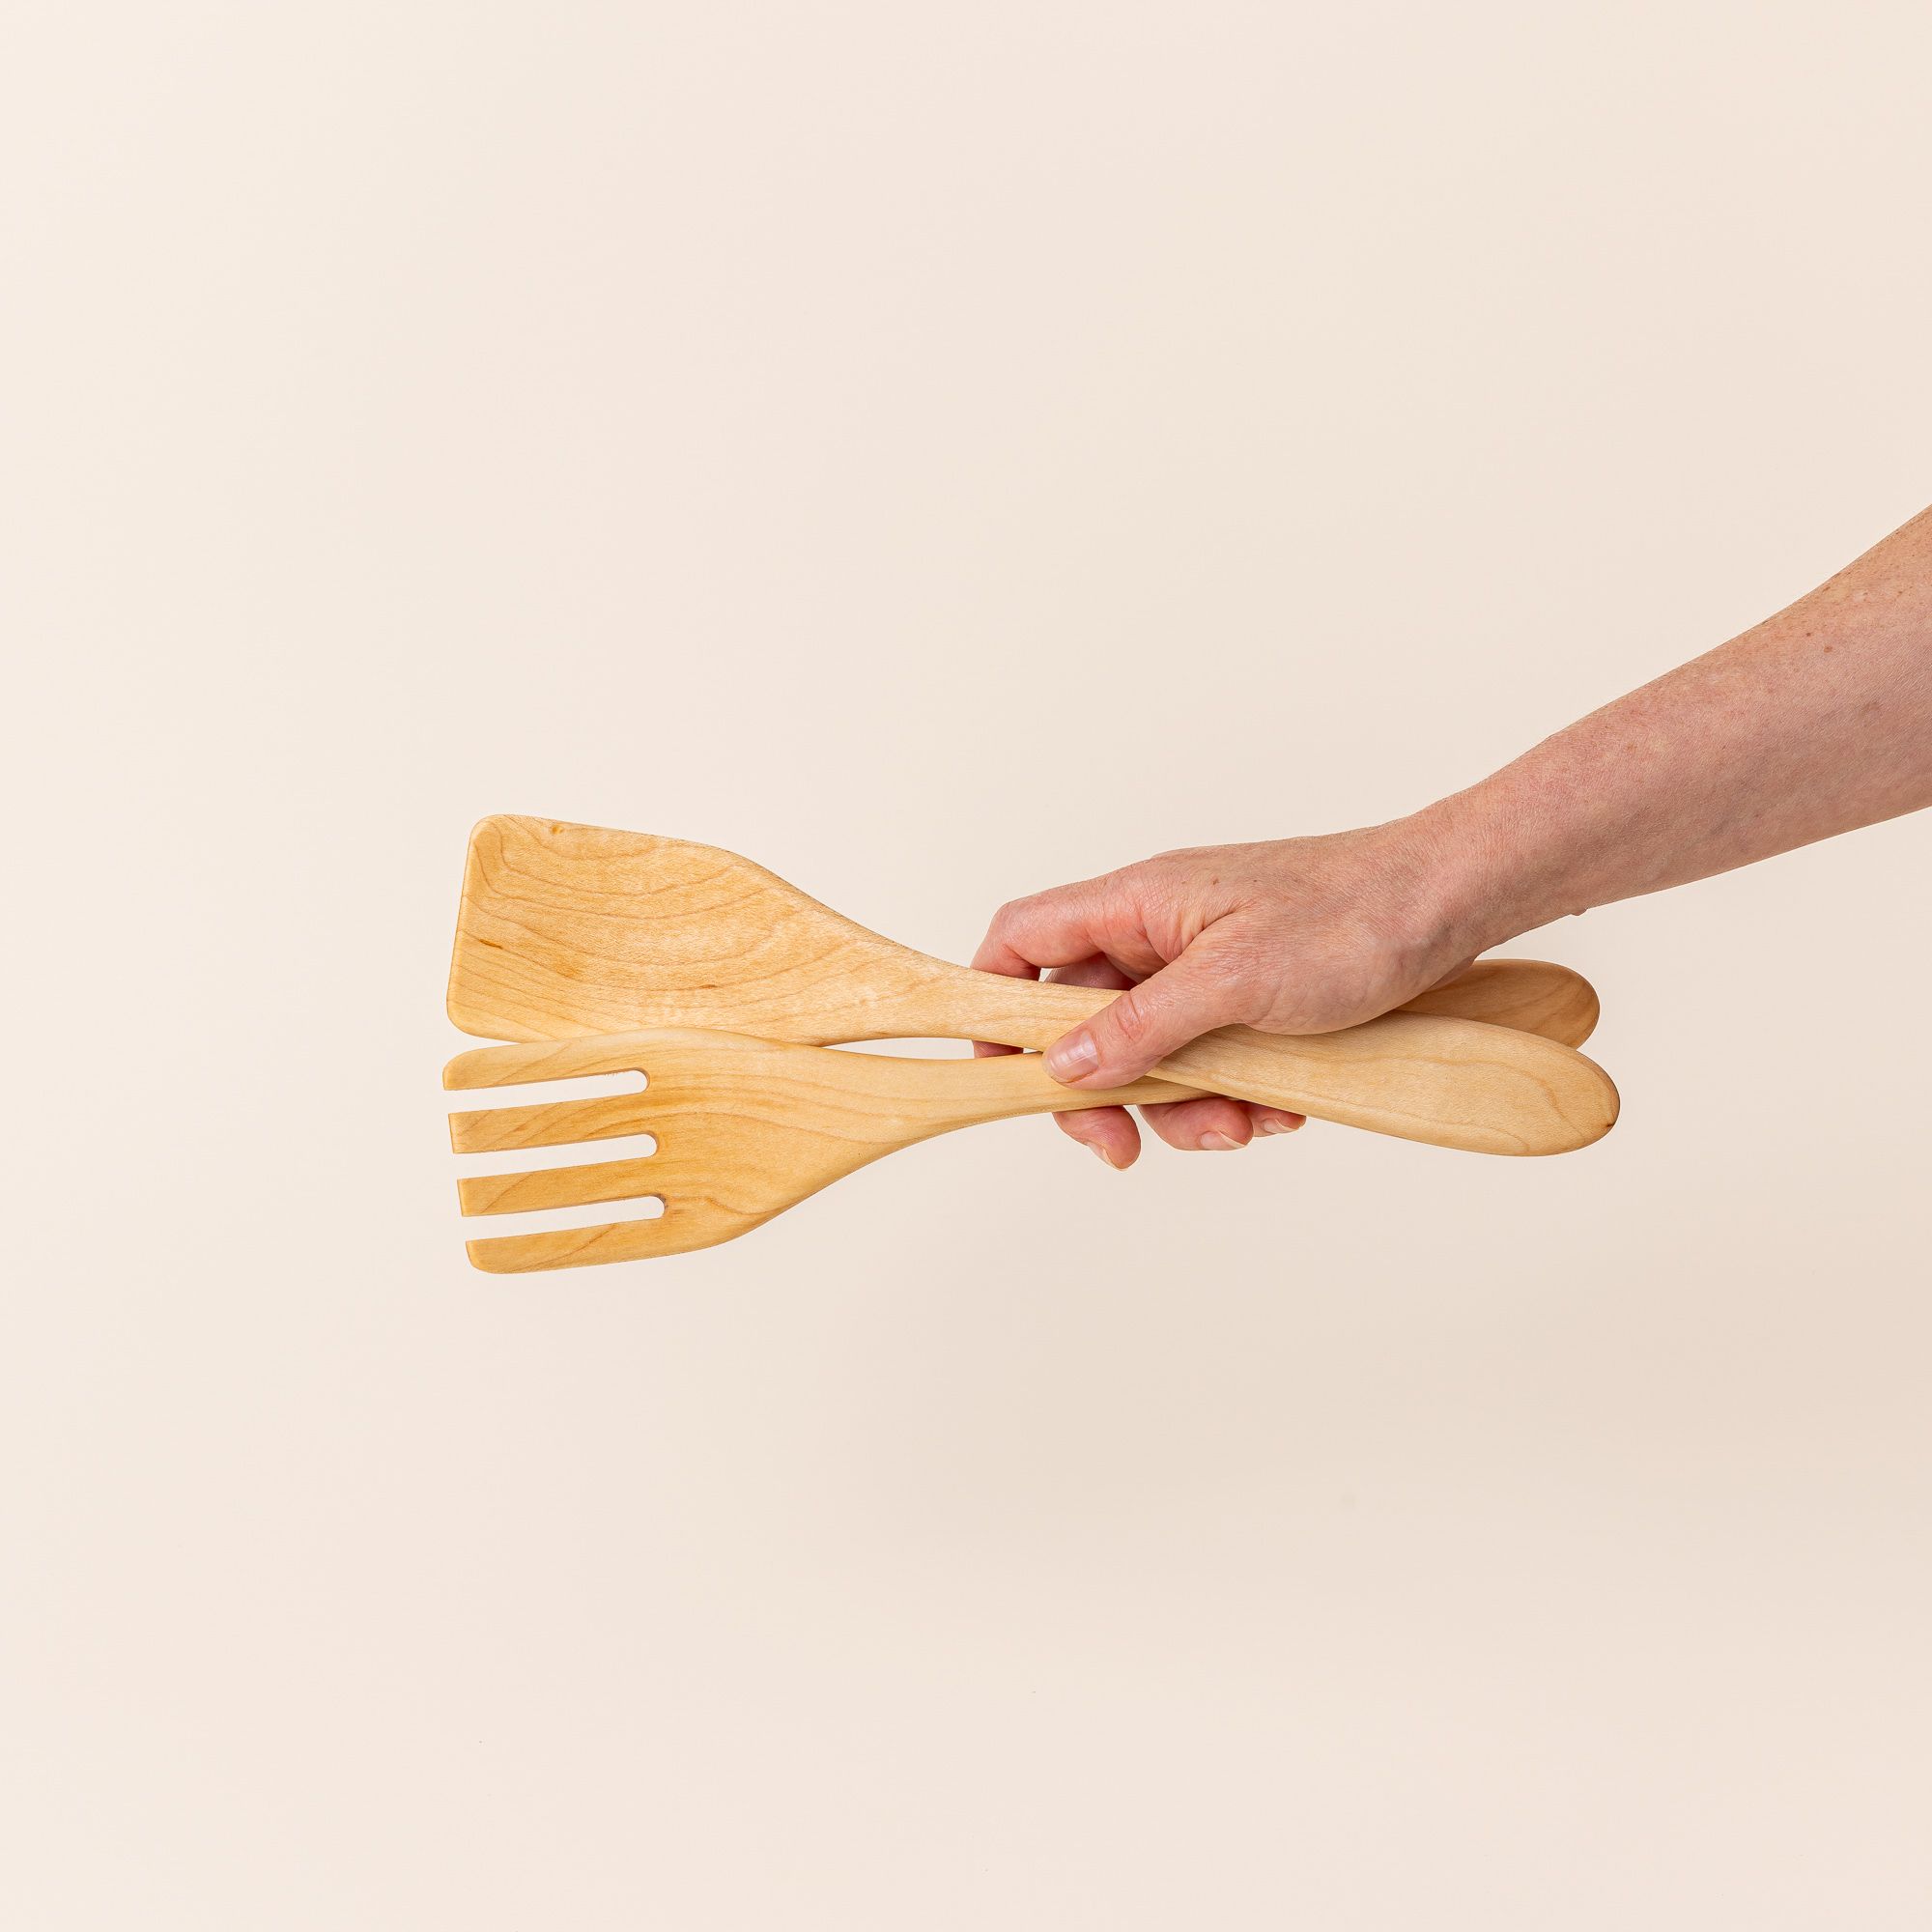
(1195, 994)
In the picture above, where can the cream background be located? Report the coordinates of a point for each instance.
(939, 452)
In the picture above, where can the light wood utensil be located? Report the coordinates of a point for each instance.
(569, 929)
(745, 1128)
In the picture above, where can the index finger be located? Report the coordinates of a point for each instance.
(1092, 919)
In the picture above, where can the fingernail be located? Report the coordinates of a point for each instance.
(1101, 1153)
(1220, 1143)
(1072, 1058)
(1280, 1126)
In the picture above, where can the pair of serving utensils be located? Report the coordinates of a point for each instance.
(596, 952)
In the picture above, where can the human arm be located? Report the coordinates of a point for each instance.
(1815, 722)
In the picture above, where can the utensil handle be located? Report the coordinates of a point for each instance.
(1452, 1083)
(1447, 1082)
(1530, 995)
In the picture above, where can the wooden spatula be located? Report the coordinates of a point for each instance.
(569, 929)
(745, 1128)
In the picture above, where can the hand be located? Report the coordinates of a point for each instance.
(1294, 935)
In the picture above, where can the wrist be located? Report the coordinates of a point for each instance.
(1472, 886)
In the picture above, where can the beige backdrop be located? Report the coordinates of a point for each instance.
(940, 451)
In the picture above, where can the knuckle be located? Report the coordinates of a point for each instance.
(1245, 972)
(1133, 1017)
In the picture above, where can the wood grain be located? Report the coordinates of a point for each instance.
(1531, 995)
(573, 929)
(569, 929)
(747, 1128)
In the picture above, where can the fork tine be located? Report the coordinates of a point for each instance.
(558, 1186)
(580, 1247)
(493, 1129)
(770, 1124)
(544, 1059)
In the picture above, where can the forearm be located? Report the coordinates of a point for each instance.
(1817, 721)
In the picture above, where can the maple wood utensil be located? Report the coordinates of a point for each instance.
(568, 929)
(745, 1128)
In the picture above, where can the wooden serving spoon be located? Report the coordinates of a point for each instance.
(743, 1129)
(569, 929)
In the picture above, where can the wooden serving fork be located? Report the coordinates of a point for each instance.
(570, 930)
(743, 1129)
